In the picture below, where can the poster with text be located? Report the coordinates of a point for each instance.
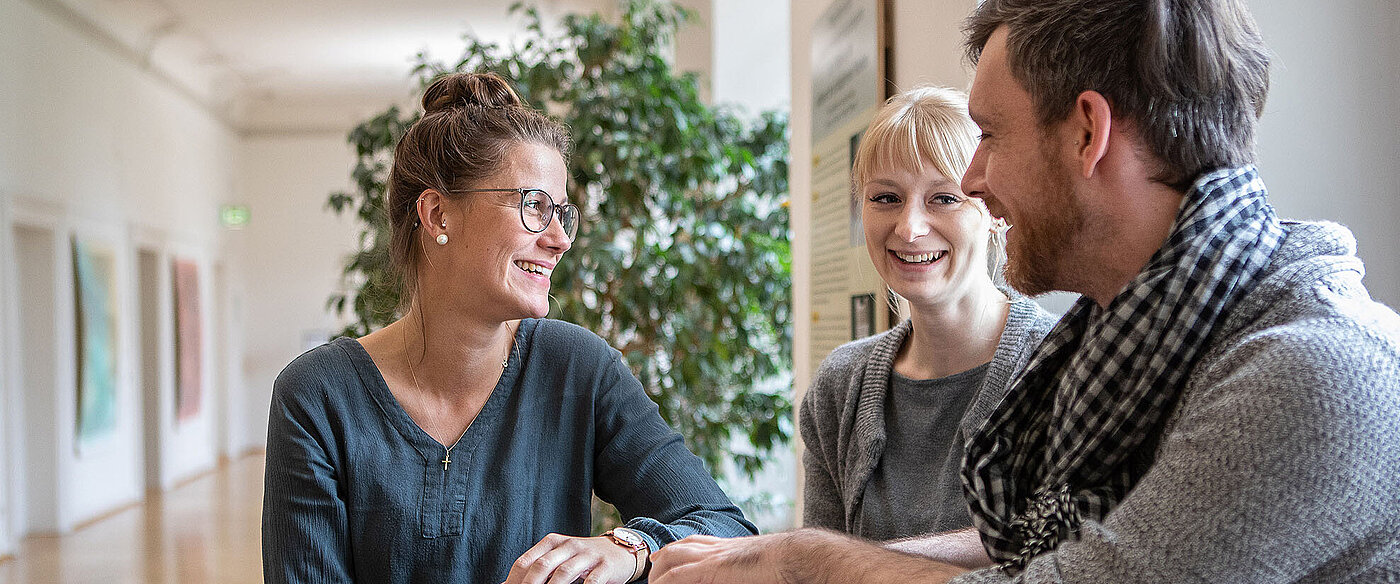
(847, 89)
(94, 273)
(188, 340)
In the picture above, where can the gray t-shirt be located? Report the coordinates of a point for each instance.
(842, 420)
(922, 458)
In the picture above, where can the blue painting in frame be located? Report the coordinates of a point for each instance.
(94, 271)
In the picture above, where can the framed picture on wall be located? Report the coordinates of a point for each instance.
(95, 283)
(189, 370)
(862, 316)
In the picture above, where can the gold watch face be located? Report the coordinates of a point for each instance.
(629, 538)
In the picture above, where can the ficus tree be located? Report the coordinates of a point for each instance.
(683, 258)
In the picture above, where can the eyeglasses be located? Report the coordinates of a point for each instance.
(537, 209)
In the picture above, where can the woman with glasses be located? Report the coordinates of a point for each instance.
(463, 442)
(885, 419)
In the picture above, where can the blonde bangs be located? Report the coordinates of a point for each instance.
(925, 125)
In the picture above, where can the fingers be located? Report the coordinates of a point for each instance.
(601, 576)
(576, 566)
(536, 564)
(561, 559)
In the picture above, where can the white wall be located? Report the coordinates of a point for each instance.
(290, 256)
(32, 476)
(751, 53)
(694, 50)
(92, 145)
(1329, 143)
(6, 541)
(804, 15)
(927, 40)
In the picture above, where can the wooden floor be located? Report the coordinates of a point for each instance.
(206, 530)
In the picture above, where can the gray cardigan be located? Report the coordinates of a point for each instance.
(842, 415)
(1280, 463)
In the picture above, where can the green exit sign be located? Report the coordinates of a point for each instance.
(234, 216)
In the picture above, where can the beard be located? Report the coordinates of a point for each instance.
(1043, 236)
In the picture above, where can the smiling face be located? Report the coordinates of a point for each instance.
(1018, 174)
(929, 242)
(495, 268)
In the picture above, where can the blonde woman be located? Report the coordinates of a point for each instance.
(885, 419)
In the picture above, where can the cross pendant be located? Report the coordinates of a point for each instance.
(446, 461)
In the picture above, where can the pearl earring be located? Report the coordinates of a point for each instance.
(442, 237)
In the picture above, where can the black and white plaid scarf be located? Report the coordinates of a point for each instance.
(1078, 427)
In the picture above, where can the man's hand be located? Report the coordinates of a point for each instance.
(562, 559)
(701, 559)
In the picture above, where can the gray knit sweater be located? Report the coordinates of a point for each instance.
(1280, 463)
(842, 420)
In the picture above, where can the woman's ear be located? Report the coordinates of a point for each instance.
(431, 208)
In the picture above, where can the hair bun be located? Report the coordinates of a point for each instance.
(487, 90)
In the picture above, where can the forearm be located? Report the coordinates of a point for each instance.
(960, 548)
(813, 555)
(646, 471)
(716, 519)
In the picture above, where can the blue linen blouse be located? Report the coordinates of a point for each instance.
(356, 491)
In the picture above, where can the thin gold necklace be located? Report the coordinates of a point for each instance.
(505, 361)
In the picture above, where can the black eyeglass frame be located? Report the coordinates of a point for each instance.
(555, 209)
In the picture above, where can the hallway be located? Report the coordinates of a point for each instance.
(203, 531)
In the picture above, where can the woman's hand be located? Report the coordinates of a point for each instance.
(562, 559)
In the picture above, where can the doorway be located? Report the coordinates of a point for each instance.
(35, 425)
(148, 274)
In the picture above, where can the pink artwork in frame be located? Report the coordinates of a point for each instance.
(188, 340)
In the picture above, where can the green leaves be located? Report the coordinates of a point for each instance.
(683, 259)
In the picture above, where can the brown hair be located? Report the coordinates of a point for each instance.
(470, 123)
(1192, 75)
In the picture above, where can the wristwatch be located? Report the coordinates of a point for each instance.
(633, 541)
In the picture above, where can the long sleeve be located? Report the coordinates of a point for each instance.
(304, 529)
(1281, 468)
(821, 496)
(644, 468)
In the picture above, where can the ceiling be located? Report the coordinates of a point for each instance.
(279, 66)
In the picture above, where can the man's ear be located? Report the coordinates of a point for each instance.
(1091, 122)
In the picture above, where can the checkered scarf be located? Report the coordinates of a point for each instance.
(1078, 427)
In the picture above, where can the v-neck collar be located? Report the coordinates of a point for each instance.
(415, 435)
